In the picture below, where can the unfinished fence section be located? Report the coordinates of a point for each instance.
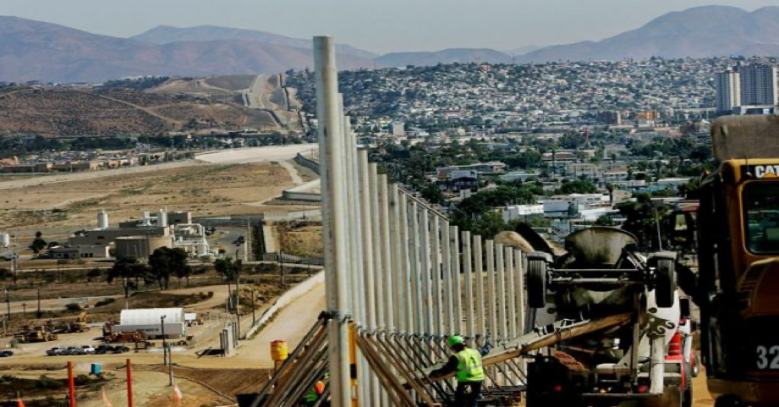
(400, 279)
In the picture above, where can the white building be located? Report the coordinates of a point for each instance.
(398, 129)
(517, 211)
(150, 321)
(728, 90)
(759, 85)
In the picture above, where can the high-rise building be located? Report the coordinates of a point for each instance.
(728, 90)
(759, 85)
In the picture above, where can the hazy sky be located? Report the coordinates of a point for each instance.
(378, 26)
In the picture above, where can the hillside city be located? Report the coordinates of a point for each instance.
(216, 214)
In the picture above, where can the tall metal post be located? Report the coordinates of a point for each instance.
(511, 294)
(416, 291)
(470, 326)
(405, 273)
(386, 253)
(367, 249)
(334, 208)
(396, 243)
(456, 279)
(519, 282)
(500, 278)
(481, 326)
(425, 275)
(446, 270)
(129, 383)
(376, 245)
(492, 320)
(71, 386)
(438, 299)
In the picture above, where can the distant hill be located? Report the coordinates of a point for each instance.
(166, 34)
(447, 56)
(697, 32)
(60, 111)
(523, 50)
(32, 50)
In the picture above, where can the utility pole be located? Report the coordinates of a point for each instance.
(254, 314)
(167, 354)
(8, 303)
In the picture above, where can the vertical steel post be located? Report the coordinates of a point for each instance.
(470, 323)
(511, 293)
(369, 279)
(386, 253)
(481, 326)
(446, 262)
(397, 257)
(500, 278)
(376, 245)
(492, 292)
(519, 283)
(71, 386)
(405, 276)
(129, 383)
(435, 250)
(416, 297)
(454, 234)
(424, 255)
(331, 166)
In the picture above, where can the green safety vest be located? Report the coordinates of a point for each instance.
(469, 368)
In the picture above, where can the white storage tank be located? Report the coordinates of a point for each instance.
(5, 240)
(102, 220)
(148, 320)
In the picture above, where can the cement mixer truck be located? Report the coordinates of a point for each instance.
(646, 361)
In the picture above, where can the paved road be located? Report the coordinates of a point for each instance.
(256, 154)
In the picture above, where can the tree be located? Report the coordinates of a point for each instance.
(605, 220)
(127, 270)
(166, 262)
(38, 244)
(578, 186)
(642, 219)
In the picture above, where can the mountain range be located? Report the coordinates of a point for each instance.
(32, 50)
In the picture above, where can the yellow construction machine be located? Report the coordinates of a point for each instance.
(737, 241)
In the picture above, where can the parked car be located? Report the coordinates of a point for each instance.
(88, 349)
(55, 351)
(103, 349)
(6, 353)
(121, 349)
(8, 256)
(72, 351)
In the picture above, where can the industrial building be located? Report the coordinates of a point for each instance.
(137, 238)
(151, 321)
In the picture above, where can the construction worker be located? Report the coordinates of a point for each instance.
(313, 395)
(467, 367)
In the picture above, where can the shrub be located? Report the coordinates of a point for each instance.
(105, 302)
(73, 307)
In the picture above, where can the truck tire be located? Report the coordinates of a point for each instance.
(536, 283)
(665, 283)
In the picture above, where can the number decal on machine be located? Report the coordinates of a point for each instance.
(768, 358)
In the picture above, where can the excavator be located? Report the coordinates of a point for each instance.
(736, 233)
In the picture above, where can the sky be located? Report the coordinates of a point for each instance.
(377, 26)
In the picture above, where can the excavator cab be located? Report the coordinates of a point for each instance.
(738, 249)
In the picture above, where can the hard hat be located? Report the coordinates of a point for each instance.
(455, 340)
